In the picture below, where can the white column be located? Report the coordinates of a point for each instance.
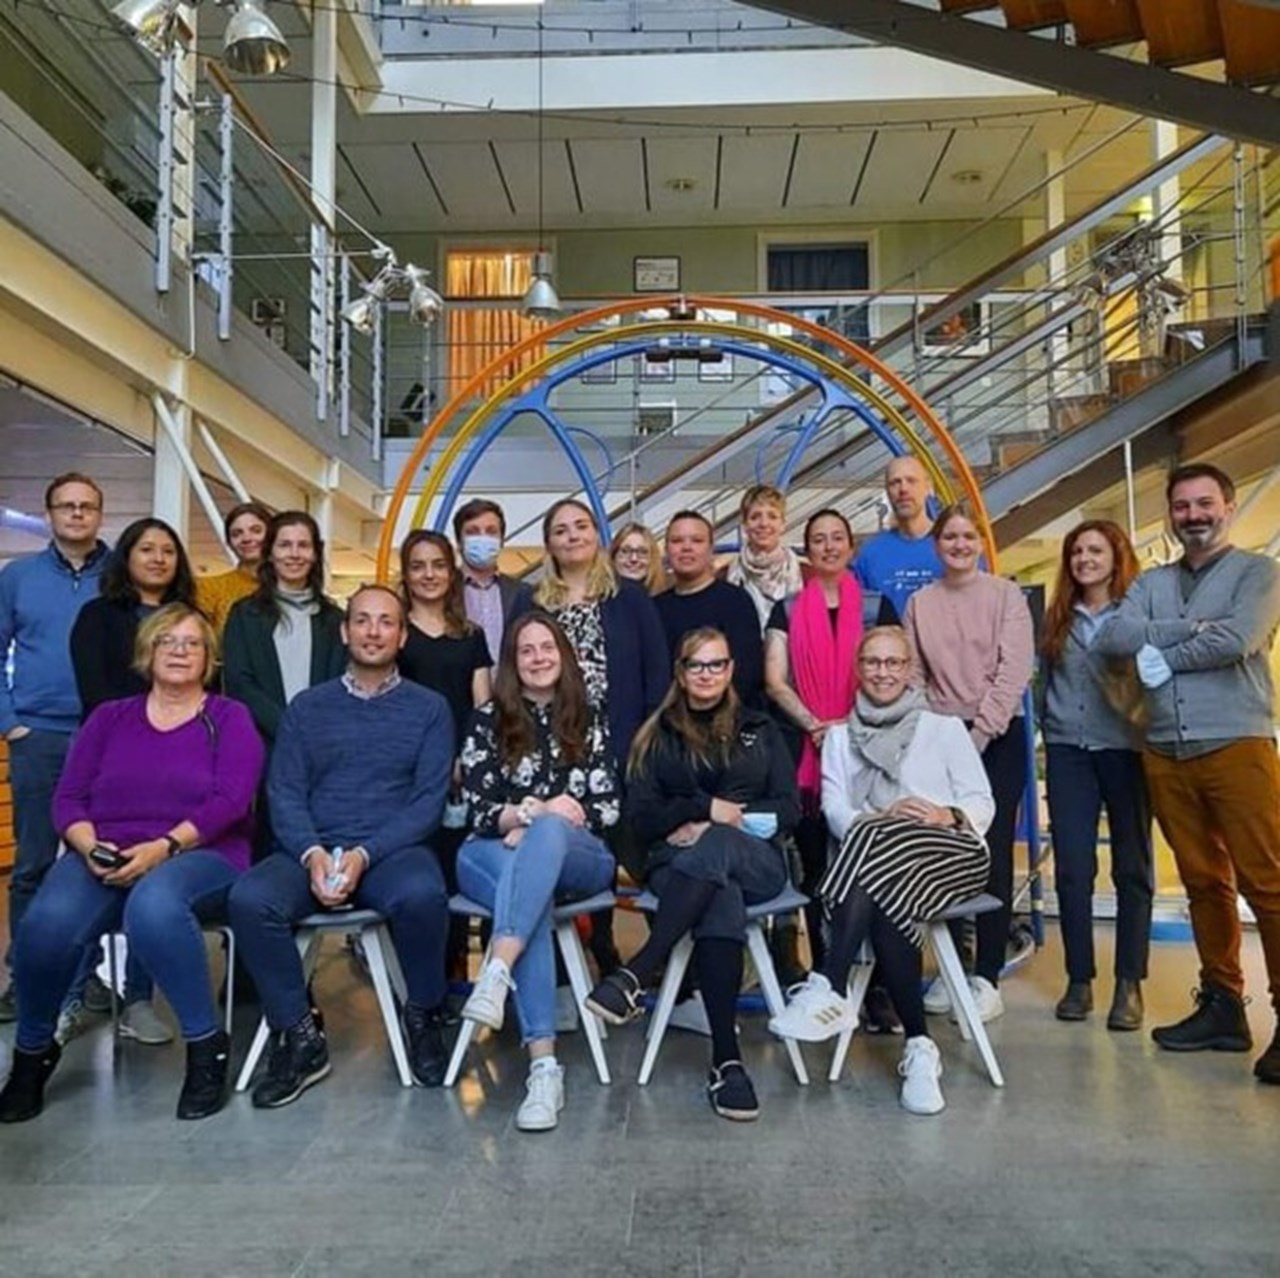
(170, 490)
(324, 159)
(1164, 202)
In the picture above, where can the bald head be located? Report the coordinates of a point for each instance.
(906, 484)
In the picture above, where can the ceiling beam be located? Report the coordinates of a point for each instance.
(1098, 77)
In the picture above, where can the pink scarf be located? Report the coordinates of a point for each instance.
(822, 667)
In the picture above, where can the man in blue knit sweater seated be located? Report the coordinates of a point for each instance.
(357, 785)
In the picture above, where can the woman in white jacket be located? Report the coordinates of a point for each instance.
(906, 797)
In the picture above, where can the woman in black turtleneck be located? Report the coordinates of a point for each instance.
(710, 793)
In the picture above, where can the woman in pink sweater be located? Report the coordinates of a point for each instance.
(972, 639)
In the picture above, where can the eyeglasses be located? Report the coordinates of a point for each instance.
(894, 665)
(634, 552)
(717, 665)
(76, 507)
(178, 643)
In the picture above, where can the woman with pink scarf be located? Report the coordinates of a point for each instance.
(811, 641)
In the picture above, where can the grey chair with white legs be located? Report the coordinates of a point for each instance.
(384, 970)
(952, 972)
(229, 949)
(575, 963)
(758, 947)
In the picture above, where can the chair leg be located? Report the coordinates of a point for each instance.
(677, 965)
(772, 992)
(377, 941)
(575, 964)
(113, 980)
(229, 955)
(466, 1032)
(307, 940)
(859, 980)
(970, 1023)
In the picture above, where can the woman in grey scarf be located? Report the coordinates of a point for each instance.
(905, 795)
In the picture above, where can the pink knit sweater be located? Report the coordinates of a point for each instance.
(973, 649)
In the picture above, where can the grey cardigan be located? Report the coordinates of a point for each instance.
(1091, 701)
(1217, 643)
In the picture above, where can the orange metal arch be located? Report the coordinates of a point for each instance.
(539, 339)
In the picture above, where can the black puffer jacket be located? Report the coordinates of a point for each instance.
(673, 787)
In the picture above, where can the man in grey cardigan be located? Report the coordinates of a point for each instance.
(1202, 630)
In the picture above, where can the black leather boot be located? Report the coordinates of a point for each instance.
(23, 1095)
(299, 1059)
(1076, 1003)
(204, 1090)
(784, 947)
(1266, 1069)
(1126, 1006)
(1218, 1024)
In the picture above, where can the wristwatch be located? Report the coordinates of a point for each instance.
(174, 845)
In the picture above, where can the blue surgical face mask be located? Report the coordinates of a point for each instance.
(764, 825)
(481, 550)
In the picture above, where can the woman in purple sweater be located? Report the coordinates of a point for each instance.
(155, 806)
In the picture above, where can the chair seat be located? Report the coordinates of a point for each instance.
(340, 920)
(981, 904)
(787, 900)
(468, 908)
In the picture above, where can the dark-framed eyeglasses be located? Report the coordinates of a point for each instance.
(717, 665)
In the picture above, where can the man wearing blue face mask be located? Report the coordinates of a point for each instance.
(479, 527)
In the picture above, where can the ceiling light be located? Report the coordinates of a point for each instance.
(253, 44)
(425, 304)
(541, 301)
(681, 185)
(360, 313)
(967, 177)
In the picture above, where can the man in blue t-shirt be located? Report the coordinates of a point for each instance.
(897, 562)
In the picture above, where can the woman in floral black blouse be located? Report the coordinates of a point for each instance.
(538, 774)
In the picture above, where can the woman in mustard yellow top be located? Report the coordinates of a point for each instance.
(246, 529)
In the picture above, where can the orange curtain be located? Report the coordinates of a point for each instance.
(478, 334)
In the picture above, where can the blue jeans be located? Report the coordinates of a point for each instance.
(1080, 784)
(405, 887)
(555, 860)
(161, 914)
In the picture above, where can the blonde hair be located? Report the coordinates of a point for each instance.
(655, 578)
(762, 495)
(163, 620)
(552, 592)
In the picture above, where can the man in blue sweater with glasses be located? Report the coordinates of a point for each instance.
(357, 786)
(40, 596)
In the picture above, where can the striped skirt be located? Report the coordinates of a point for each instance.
(910, 870)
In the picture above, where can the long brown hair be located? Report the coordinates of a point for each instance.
(707, 741)
(265, 594)
(570, 710)
(456, 623)
(1066, 590)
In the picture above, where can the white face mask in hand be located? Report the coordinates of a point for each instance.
(455, 815)
(1153, 670)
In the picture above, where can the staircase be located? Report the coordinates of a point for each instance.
(1130, 53)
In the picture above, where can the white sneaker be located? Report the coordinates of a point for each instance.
(544, 1099)
(921, 1067)
(814, 1013)
(691, 1015)
(937, 999)
(141, 1022)
(987, 997)
(488, 1002)
(566, 1010)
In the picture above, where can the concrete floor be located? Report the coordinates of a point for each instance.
(1101, 1156)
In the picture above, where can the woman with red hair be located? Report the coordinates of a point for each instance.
(1093, 742)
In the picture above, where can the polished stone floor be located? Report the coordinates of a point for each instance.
(1101, 1156)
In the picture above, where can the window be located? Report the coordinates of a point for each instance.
(477, 332)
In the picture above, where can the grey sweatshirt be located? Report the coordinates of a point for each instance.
(1217, 642)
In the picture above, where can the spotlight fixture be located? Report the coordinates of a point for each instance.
(425, 304)
(152, 22)
(253, 44)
